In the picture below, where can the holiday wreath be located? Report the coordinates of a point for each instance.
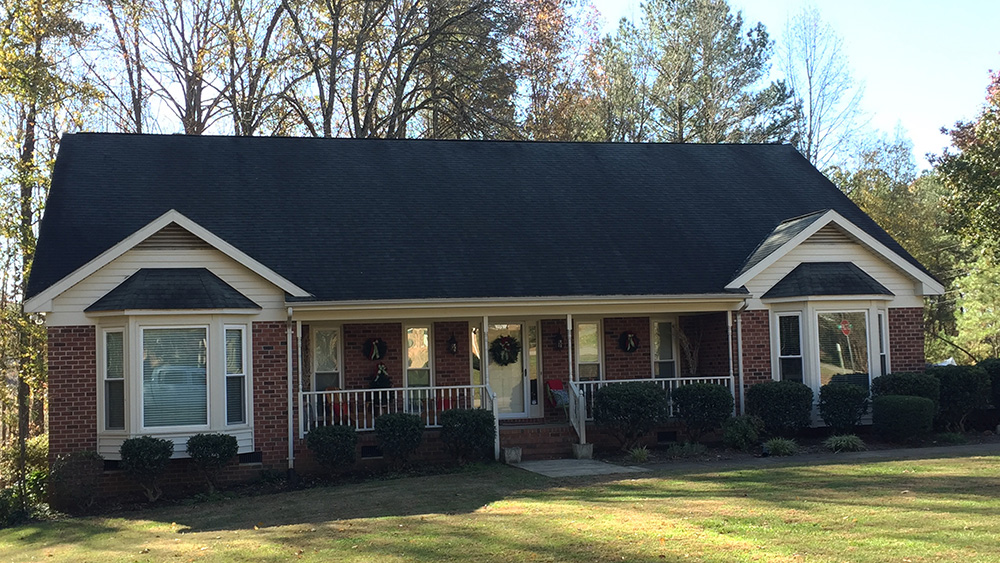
(374, 349)
(504, 350)
(628, 342)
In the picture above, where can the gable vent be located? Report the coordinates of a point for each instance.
(829, 235)
(173, 236)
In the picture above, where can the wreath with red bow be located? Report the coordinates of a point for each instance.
(628, 342)
(504, 350)
(375, 349)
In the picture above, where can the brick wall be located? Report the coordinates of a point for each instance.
(72, 359)
(451, 369)
(710, 332)
(270, 391)
(619, 364)
(555, 362)
(906, 339)
(359, 370)
(756, 347)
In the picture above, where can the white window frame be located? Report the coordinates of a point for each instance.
(884, 367)
(315, 349)
(103, 365)
(245, 365)
(429, 326)
(600, 348)
(832, 309)
(674, 346)
(801, 355)
(211, 353)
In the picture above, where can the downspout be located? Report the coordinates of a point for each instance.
(729, 332)
(291, 418)
(739, 353)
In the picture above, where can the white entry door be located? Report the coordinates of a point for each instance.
(507, 371)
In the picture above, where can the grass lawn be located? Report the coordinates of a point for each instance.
(905, 511)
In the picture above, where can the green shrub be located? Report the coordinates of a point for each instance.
(37, 457)
(333, 446)
(780, 447)
(842, 405)
(784, 406)
(950, 438)
(901, 417)
(963, 390)
(469, 434)
(686, 450)
(399, 434)
(211, 453)
(629, 410)
(911, 384)
(992, 369)
(75, 481)
(145, 460)
(844, 443)
(702, 406)
(638, 454)
(742, 432)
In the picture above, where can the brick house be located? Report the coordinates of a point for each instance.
(257, 286)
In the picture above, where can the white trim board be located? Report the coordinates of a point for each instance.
(42, 302)
(928, 285)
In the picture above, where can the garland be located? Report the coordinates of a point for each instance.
(628, 342)
(374, 349)
(504, 350)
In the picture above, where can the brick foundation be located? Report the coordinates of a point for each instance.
(906, 340)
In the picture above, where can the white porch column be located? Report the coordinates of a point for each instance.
(569, 343)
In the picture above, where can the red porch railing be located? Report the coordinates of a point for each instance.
(360, 407)
(582, 393)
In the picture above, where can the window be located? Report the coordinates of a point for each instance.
(883, 359)
(664, 361)
(790, 347)
(114, 380)
(235, 376)
(588, 346)
(843, 347)
(418, 356)
(326, 359)
(174, 377)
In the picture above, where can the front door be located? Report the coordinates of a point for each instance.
(507, 372)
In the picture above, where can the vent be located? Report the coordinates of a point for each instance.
(251, 457)
(829, 235)
(371, 452)
(173, 236)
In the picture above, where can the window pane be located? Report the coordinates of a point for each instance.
(174, 390)
(843, 346)
(664, 369)
(235, 410)
(664, 341)
(234, 351)
(587, 343)
(418, 348)
(418, 377)
(327, 346)
(791, 369)
(114, 403)
(114, 355)
(590, 372)
(327, 381)
(788, 329)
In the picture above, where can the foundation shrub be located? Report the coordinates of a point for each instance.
(911, 384)
(784, 406)
(902, 417)
(75, 481)
(145, 459)
(399, 434)
(844, 443)
(334, 447)
(742, 432)
(780, 447)
(992, 368)
(469, 434)
(702, 406)
(211, 453)
(629, 411)
(842, 405)
(964, 389)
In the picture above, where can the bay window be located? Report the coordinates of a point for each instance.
(114, 379)
(843, 347)
(174, 377)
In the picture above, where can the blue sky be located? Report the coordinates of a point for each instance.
(924, 64)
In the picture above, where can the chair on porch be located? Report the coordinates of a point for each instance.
(557, 395)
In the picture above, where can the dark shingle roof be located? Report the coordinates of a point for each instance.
(173, 288)
(781, 234)
(349, 219)
(826, 278)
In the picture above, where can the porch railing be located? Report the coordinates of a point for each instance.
(360, 407)
(582, 393)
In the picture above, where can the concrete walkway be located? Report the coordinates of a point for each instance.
(576, 467)
(588, 467)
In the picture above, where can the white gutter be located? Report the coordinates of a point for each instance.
(496, 302)
(291, 418)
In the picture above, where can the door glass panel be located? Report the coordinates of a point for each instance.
(507, 381)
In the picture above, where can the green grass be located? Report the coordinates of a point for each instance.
(915, 511)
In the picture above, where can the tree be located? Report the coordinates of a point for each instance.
(619, 88)
(971, 170)
(978, 303)
(817, 71)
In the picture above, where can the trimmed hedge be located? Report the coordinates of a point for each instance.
(784, 406)
(702, 406)
(963, 390)
(145, 460)
(399, 434)
(75, 481)
(629, 410)
(911, 384)
(901, 417)
(469, 434)
(212, 452)
(992, 369)
(742, 432)
(842, 405)
(333, 446)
